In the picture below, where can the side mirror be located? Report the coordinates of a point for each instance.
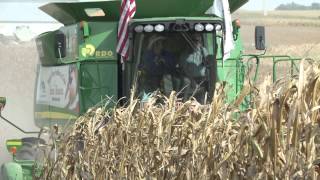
(60, 45)
(260, 38)
(2, 103)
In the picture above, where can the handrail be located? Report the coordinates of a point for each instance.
(257, 58)
(277, 59)
(23, 131)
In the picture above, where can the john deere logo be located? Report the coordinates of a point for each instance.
(88, 50)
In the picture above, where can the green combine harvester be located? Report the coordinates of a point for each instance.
(174, 46)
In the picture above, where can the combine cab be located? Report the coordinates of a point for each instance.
(79, 66)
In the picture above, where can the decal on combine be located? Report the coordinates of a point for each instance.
(57, 86)
(104, 53)
(88, 50)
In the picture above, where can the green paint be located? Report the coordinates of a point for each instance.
(96, 60)
(98, 83)
(12, 171)
(103, 38)
(86, 31)
(70, 13)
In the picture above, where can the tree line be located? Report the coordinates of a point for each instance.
(295, 6)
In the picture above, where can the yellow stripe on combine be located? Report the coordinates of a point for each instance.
(54, 115)
(14, 143)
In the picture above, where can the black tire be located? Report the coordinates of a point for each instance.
(30, 150)
(26, 153)
(33, 140)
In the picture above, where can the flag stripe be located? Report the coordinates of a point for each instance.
(127, 11)
(123, 39)
(122, 42)
(123, 4)
(123, 25)
(123, 30)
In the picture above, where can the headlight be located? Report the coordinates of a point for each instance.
(148, 28)
(199, 27)
(218, 27)
(209, 27)
(138, 29)
(159, 28)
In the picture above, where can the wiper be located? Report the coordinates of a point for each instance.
(192, 45)
(189, 40)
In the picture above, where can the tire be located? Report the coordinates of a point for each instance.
(33, 140)
(30, 150)
(26, 152)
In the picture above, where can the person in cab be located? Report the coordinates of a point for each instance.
(192, 62)
(157, 62)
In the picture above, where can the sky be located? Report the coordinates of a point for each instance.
(14, 11)
(272, 4)
(22, 12)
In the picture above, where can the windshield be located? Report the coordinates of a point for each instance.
(175, 61)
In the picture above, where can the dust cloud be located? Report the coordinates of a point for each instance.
(17, 81)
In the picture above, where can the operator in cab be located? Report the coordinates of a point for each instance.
(174, 62)
(193, 64)
(156, 63)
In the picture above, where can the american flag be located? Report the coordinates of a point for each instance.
(127, 11)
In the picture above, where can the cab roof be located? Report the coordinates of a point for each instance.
(73, 12)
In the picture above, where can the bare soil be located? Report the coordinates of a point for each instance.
(293, 33)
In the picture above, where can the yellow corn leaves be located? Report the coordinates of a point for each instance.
(164, 138)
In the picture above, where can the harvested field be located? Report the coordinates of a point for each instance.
(277, 138)
(298, 41)
(283, 18)
(287, 33)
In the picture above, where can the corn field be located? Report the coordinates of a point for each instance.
(165, 138)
